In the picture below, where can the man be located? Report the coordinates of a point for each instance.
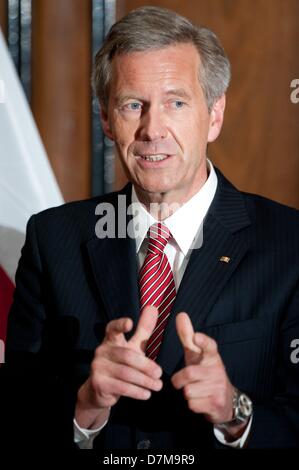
(178, 336)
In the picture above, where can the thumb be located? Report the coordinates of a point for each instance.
(145, 327)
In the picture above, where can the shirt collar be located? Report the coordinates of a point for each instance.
(182, 224)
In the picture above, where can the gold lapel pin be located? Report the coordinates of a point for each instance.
(225, 259)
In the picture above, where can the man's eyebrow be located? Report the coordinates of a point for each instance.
(130, 96)
(180, 92)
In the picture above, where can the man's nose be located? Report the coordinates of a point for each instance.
(152, 124)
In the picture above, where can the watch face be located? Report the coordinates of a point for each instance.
(245, 405)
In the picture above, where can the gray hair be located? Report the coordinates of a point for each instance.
(150, 28)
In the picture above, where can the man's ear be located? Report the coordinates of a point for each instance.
(105, 122)
(216, 118)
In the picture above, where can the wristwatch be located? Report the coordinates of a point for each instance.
(242, 409)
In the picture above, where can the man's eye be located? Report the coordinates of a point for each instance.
(133, 106)
(178, 104)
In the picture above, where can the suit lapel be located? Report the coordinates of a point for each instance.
(114, 266)
(206, 275)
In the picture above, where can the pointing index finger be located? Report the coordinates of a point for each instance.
(185, 331)
(145, 327)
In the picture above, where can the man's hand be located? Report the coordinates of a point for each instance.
(119, 368)
(204, 381)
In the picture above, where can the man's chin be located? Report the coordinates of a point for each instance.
(152, 189)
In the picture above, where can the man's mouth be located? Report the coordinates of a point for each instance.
(154, 158)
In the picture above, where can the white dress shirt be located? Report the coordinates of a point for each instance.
(185, 225)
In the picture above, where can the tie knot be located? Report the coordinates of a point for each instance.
(159, 236)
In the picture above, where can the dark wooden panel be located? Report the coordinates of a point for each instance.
(258, 148)
(61, 68)
(3, 16)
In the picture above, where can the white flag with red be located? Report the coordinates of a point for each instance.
(27, 183)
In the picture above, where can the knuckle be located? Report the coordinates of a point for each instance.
(127, 355)
(174, 380)
(109, 326)
(95, 383)
(192, 405)
(126, 374)
(104, 388)
(147, 383)
(187, 392)
(94, 367)
(123, 388)
(190, 373)
(99, 351)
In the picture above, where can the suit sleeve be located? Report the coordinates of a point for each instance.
(275, 421)
(37, 400)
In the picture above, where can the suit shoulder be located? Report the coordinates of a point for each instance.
(79, 208)
(74, 219)
(271, 212)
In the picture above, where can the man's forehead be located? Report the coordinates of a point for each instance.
(170, 68)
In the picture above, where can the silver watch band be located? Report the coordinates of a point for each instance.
(242, 410)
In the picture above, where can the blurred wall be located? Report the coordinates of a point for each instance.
(258, 149)
(3, 16)
(60, 95)
(61, 61)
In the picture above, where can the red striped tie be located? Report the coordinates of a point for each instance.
(156, 284)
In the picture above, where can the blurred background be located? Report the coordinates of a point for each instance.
(53, 43)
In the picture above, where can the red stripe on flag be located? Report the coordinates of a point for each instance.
(6, 293)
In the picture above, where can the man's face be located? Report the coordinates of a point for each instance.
(158, 118)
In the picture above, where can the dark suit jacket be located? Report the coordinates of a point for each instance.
(70, 284)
